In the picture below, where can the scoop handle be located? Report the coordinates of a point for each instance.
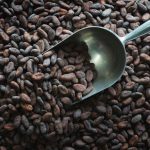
(139, 31)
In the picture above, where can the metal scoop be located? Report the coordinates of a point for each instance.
(107, 51)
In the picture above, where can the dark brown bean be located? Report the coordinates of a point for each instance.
(47, 117)
(79, 59)
(88, 139)
(9, 67)
(62, 89)
(56, 111)
(17, 121)
(58, 127)
(117, 118)
(133, 140)
(102, 140)
(122, 124)
(25, 121)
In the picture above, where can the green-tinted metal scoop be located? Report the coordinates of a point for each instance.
(107, 51)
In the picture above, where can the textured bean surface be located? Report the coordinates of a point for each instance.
(35, 88)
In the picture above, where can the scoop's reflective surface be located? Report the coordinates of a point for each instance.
(104, 54)
(107, 52)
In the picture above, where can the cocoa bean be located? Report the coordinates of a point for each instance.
(25, 98)
(67, 77)
(62, 89)
(79, 87)
(38, 76)
(68, 69)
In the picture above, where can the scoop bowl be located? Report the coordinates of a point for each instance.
(107, 51)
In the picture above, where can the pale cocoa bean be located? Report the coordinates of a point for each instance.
(27, 107)
(48, 54)
(68, 69)
(89, 75)
(79, 87)
(67, 77)
(122, 124)
(38, 76)
(9, 127)
(80, 24)
(59, 31)
(66, 101)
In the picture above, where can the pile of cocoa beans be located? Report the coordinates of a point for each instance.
(34, 87)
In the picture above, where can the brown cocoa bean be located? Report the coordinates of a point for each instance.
(17, 121)
(79, 87)
(148, 119)
(25, 121)
(9, 67)
(48, 54)
(85, 115)
(47, 117)
(80, 24)
(67, 77)
(66, 101)
(133, 140)
(79, 59)
(15, 85)
(89, 75)
(42, 33)
(38, 76)
(122, 124)
(62, 89)
(25, 98)
(56, 111)
(80, 74)
(68, 69)
(61, 62)
(102, 140)
(27, 107)
(53, 59)
(4, 36)
(9, 127)
(58, 127)
(88, 139)
(11, 30)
